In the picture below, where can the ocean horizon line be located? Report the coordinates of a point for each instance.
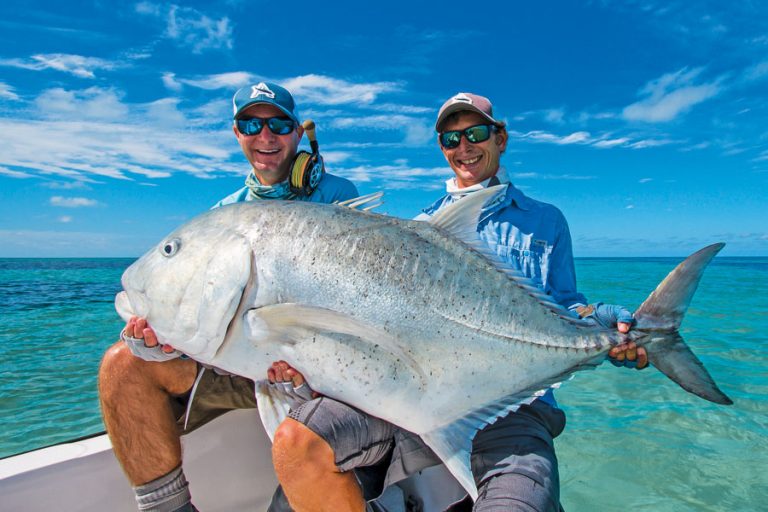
(683, 256)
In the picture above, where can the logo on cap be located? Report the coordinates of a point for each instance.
(261, 88)
(461, 97)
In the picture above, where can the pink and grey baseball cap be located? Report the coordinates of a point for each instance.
(467, 101)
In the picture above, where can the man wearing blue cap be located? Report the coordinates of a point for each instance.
(146, 406)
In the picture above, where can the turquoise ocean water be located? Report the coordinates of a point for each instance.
(634, 440)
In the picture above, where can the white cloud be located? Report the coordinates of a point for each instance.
(98, 135)
(645, 180)
(91, 103)
(77, 65)
(541, 136)
(318, 90)
(630, 207)
(65, 219)
(670, 95)
(65, 185)
(165, 113)
(13, 174)
(650, 143)
(757, 72)
(230, 80)
(336, 157)
(73, 202)
(554, 115)
(170, 82)
(416, 131)
(324, 90)
(375, 122)
(401, 109)
(189, 27)
(544, 176)
(6, 91)
(398, 175)
(609, 143)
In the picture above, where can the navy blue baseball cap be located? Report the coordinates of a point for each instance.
(265, 92)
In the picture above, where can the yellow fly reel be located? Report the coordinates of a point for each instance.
(307, 168)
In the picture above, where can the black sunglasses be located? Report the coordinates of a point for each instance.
(474, 134)
(254, 125)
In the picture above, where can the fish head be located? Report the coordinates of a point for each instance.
(190, 285)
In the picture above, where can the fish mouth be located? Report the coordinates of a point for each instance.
(125, 307)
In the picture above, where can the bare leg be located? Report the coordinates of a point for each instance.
(306, 468)
(134, 397)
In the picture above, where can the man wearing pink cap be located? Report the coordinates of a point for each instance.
(347, 457)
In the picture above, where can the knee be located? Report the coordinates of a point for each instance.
(119, 369)
(297, 451)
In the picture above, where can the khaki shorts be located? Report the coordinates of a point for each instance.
(215, 395)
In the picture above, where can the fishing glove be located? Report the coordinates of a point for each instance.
(607, 315)
(604, 315)
(295, 396)
(154, 354)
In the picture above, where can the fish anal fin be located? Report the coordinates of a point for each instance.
(453, 442)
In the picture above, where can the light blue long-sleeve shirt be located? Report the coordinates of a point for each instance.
(532, 237)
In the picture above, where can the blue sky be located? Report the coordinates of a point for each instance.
(644, 121)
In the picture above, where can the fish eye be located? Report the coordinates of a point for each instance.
(171, 247)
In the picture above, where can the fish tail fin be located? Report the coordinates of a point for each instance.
(660, 317)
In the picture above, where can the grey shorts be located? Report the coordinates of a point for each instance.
(215, 395)
(360, 442)
(513, 460)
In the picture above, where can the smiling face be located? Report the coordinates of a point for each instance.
(473, 163)
(270, 155)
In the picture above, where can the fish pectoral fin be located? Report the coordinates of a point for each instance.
(289, 323)
(272, 405)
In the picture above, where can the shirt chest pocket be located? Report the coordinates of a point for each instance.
(532, 262)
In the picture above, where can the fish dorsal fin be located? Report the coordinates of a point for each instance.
(365, 203)
(460, 220)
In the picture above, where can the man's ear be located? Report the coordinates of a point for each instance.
(501, 139)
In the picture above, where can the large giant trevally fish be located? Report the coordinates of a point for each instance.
(414, 322)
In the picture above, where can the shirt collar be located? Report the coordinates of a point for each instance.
(457, 193)
(512, 195)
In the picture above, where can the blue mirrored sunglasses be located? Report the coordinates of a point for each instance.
(474, 134)
(254, 125)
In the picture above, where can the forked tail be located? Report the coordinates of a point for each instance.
(658, 320)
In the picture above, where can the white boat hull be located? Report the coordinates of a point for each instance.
(227, 462)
